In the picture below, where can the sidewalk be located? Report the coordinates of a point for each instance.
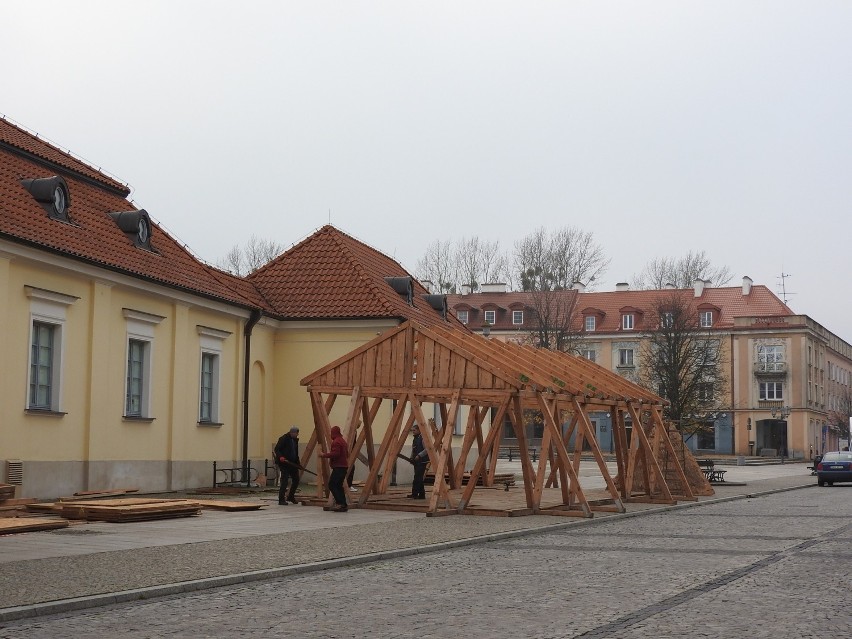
(94, 564)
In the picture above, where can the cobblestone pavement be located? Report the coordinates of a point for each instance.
(777, 566)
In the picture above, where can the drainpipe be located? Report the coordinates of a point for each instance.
(253, 319)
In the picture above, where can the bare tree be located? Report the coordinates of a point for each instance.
(467, 261)
(681, 272)
(683, 363)
(548, 264)
(841, 416)
(552, 261)
(438, 266)
(242, 260)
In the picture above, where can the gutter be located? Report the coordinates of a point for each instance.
(252, 321)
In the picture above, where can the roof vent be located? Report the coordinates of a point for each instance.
(52, 194)
(438, 302)
(402, 285)
(137, 225)
(622, 286)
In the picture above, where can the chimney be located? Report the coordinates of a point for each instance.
(428, 284)
(579, 287)
(699, 284)
(622, 286)
(747, 281)
(669, 285)
(494, 287)
(465, 289)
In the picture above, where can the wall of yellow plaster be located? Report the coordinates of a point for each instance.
(93, 374)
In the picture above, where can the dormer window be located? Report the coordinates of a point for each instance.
(490, 317)
(462, 315)
(404, 286)
(590, 323)
(627, 321)
(705, 319)
(52, 194)
(137, 226)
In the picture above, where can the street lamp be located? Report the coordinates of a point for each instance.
(781, 412)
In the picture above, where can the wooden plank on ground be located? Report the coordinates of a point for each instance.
(217, 504)
(30, 524)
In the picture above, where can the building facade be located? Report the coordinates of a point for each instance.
(786, 377)
(128, 362)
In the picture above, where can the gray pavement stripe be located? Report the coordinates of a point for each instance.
(615, 629)
(663, 550)
(579, 533)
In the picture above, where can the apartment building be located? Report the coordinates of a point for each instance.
(787, 378)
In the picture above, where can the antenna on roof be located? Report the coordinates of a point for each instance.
(783, 277)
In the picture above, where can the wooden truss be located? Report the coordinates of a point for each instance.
(412, 365)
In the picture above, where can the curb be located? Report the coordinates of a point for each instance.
(93, 601)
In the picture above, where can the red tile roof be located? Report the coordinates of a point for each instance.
(331, 275)
(93, 236)
(730, 302)
(760, 302)
(28, 143)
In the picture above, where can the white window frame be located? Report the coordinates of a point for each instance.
(589, 353)
(140, 328)
(627, 321)
(462, 316)
(705, 319)
(517, 317)
(625, 358)
(776, 394)
(212, 342)
(590, 323)
(48, 308)
(490, 317)
(770, 357)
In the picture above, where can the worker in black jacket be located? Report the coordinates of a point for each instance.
(420, 459)
(287, 458)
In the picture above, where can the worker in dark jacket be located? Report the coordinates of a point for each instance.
(338, 456)
(287, 458)
(420, 459)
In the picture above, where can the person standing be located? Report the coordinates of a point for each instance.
(338, 457)
(420, 459)
(287, 458)
(350, 478)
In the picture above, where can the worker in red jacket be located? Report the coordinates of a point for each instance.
(338, 456)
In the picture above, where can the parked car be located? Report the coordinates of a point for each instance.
(834, 467)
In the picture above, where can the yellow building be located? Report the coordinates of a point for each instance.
(787, 378)
(127, 362)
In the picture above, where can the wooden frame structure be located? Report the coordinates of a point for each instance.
(412, 364)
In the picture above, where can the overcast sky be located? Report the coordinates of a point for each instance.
(662, 127)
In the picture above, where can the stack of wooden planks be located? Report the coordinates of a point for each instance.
(130, 509)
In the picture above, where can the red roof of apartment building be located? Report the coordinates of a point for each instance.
(726, 304)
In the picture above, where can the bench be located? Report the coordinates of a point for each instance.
(713, 474)
(514, 452)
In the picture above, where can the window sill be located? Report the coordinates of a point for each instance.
(211, 424)
(46, 412)
(134, 418)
